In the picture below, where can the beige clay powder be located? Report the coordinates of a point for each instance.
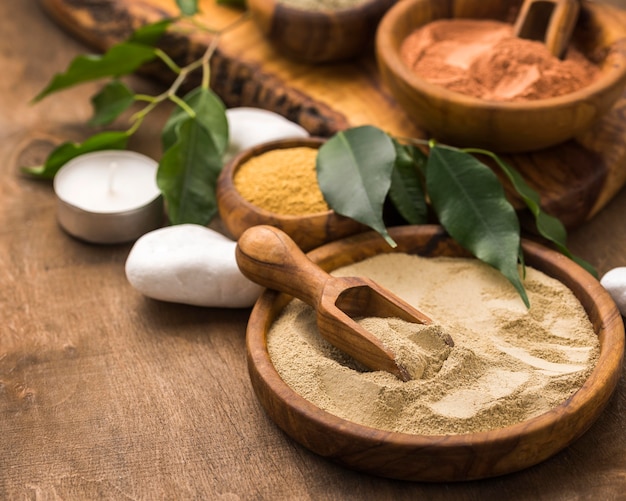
(508, 363)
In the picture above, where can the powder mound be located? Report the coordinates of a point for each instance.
(283, 181)
(484, 59)
(508, 363)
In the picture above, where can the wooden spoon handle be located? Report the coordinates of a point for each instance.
(269, 257)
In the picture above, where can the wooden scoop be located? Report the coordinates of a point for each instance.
(269, 257)
(549, 21)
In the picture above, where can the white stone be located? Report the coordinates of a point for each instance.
(189, 264)
(614, 281)
(248, 127)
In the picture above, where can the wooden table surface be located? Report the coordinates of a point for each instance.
(106, 394)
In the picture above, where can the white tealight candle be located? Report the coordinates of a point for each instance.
(109, 196)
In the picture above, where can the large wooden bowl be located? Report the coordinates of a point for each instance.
(319, 36)
(504, 127)
(438, 458)
(238, 214)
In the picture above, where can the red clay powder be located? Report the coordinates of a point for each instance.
(484, 59)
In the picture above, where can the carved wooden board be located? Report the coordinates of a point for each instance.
(575, 179)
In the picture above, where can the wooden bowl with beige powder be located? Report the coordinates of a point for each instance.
(465, 91)
(275, 183)
(487, 418)
(319, 31)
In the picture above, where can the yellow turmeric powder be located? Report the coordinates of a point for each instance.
(282, 181)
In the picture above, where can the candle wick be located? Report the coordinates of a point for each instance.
(112, 169)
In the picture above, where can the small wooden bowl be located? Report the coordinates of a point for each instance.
(319, 36)
(438, 458)
(505, 127)
(238, 214)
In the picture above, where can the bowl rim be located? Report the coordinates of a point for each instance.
(613, 71)
(230, 169)
(590, 399)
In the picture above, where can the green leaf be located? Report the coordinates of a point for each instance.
(187, 175)
(471, 205)
(188, 7)
(210, 114)
(407, 190)
(121, 59)
(150, 34)
(110, 102)
(65, 152)
(354, 173)
(548, 226)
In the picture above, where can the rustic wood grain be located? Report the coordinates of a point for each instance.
(575, 180)
(105, 394)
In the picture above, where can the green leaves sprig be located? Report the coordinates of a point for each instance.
(465, 195)
(195, 137)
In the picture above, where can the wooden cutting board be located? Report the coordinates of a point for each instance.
(575, 179)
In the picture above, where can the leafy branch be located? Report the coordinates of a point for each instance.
(195, 136)
(466, 196)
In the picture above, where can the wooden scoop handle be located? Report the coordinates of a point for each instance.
(267, 256)
(549, 21)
